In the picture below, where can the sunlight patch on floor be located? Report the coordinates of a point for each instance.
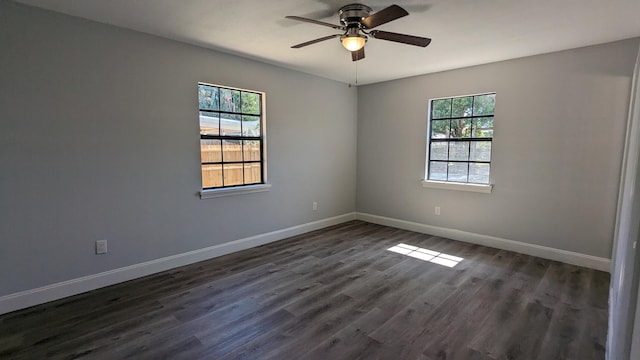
(426, 255)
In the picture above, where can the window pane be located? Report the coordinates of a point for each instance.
(210, 151)
(460, 128)
(459, 150)
(230, 100)
(484, 104)
(230, 124)
(250, 103)
(437, 170)
(251, 150)
(233, 174)
(441, 108)
(211, 176)
(231, 150)
(480, 151)
(458, 172)
(208, 97)
(462, 106)
(209, 123)
(439, 129)
(252, 174)
(479, 173)
(439, 150)
(483, 127)
(250, 125)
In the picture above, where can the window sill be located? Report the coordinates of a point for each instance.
(214, 193)
(481, 188)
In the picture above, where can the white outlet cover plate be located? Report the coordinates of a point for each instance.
(101, 247)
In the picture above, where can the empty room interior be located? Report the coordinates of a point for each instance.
(240, 180)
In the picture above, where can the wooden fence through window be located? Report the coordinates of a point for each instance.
(234, 174)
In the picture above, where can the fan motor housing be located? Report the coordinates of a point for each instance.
(352, 14)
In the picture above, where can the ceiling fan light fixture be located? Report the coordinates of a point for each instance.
(358, 25)
(353, 42)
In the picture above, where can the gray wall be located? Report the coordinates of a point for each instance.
(99, 140)
(559, 132)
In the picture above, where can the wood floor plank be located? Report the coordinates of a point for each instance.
(501, 322)
(562, 339)
(421, 320)
(348, 343)
(524, 342)
(599, 290)
(593, 338)
(552, 285)
(334, 293)
(577, 286)
(452, 339)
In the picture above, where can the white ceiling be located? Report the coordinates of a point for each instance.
(464, 32)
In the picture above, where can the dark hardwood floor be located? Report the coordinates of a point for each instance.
(336, 293)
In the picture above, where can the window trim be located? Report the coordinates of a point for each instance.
(453, 185)
(207, 193)
(450, 185)
(234, 190)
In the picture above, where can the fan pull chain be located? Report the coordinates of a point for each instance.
(356, 73)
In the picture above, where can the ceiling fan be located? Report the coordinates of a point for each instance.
(356, 22)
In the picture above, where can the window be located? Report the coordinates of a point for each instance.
(460, 138)
(231, 137)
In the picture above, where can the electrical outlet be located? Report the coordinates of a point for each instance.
(101, 246)
(437, 210)
(315, 206)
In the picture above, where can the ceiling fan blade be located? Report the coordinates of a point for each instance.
(401, 38)
(383, 16)
(315, 41)
(357, 55)
(317, 22)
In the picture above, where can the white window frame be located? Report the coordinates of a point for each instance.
(248, 188)
(452, 185)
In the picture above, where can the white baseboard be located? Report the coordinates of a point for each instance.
(545, 252)
(71, 287)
